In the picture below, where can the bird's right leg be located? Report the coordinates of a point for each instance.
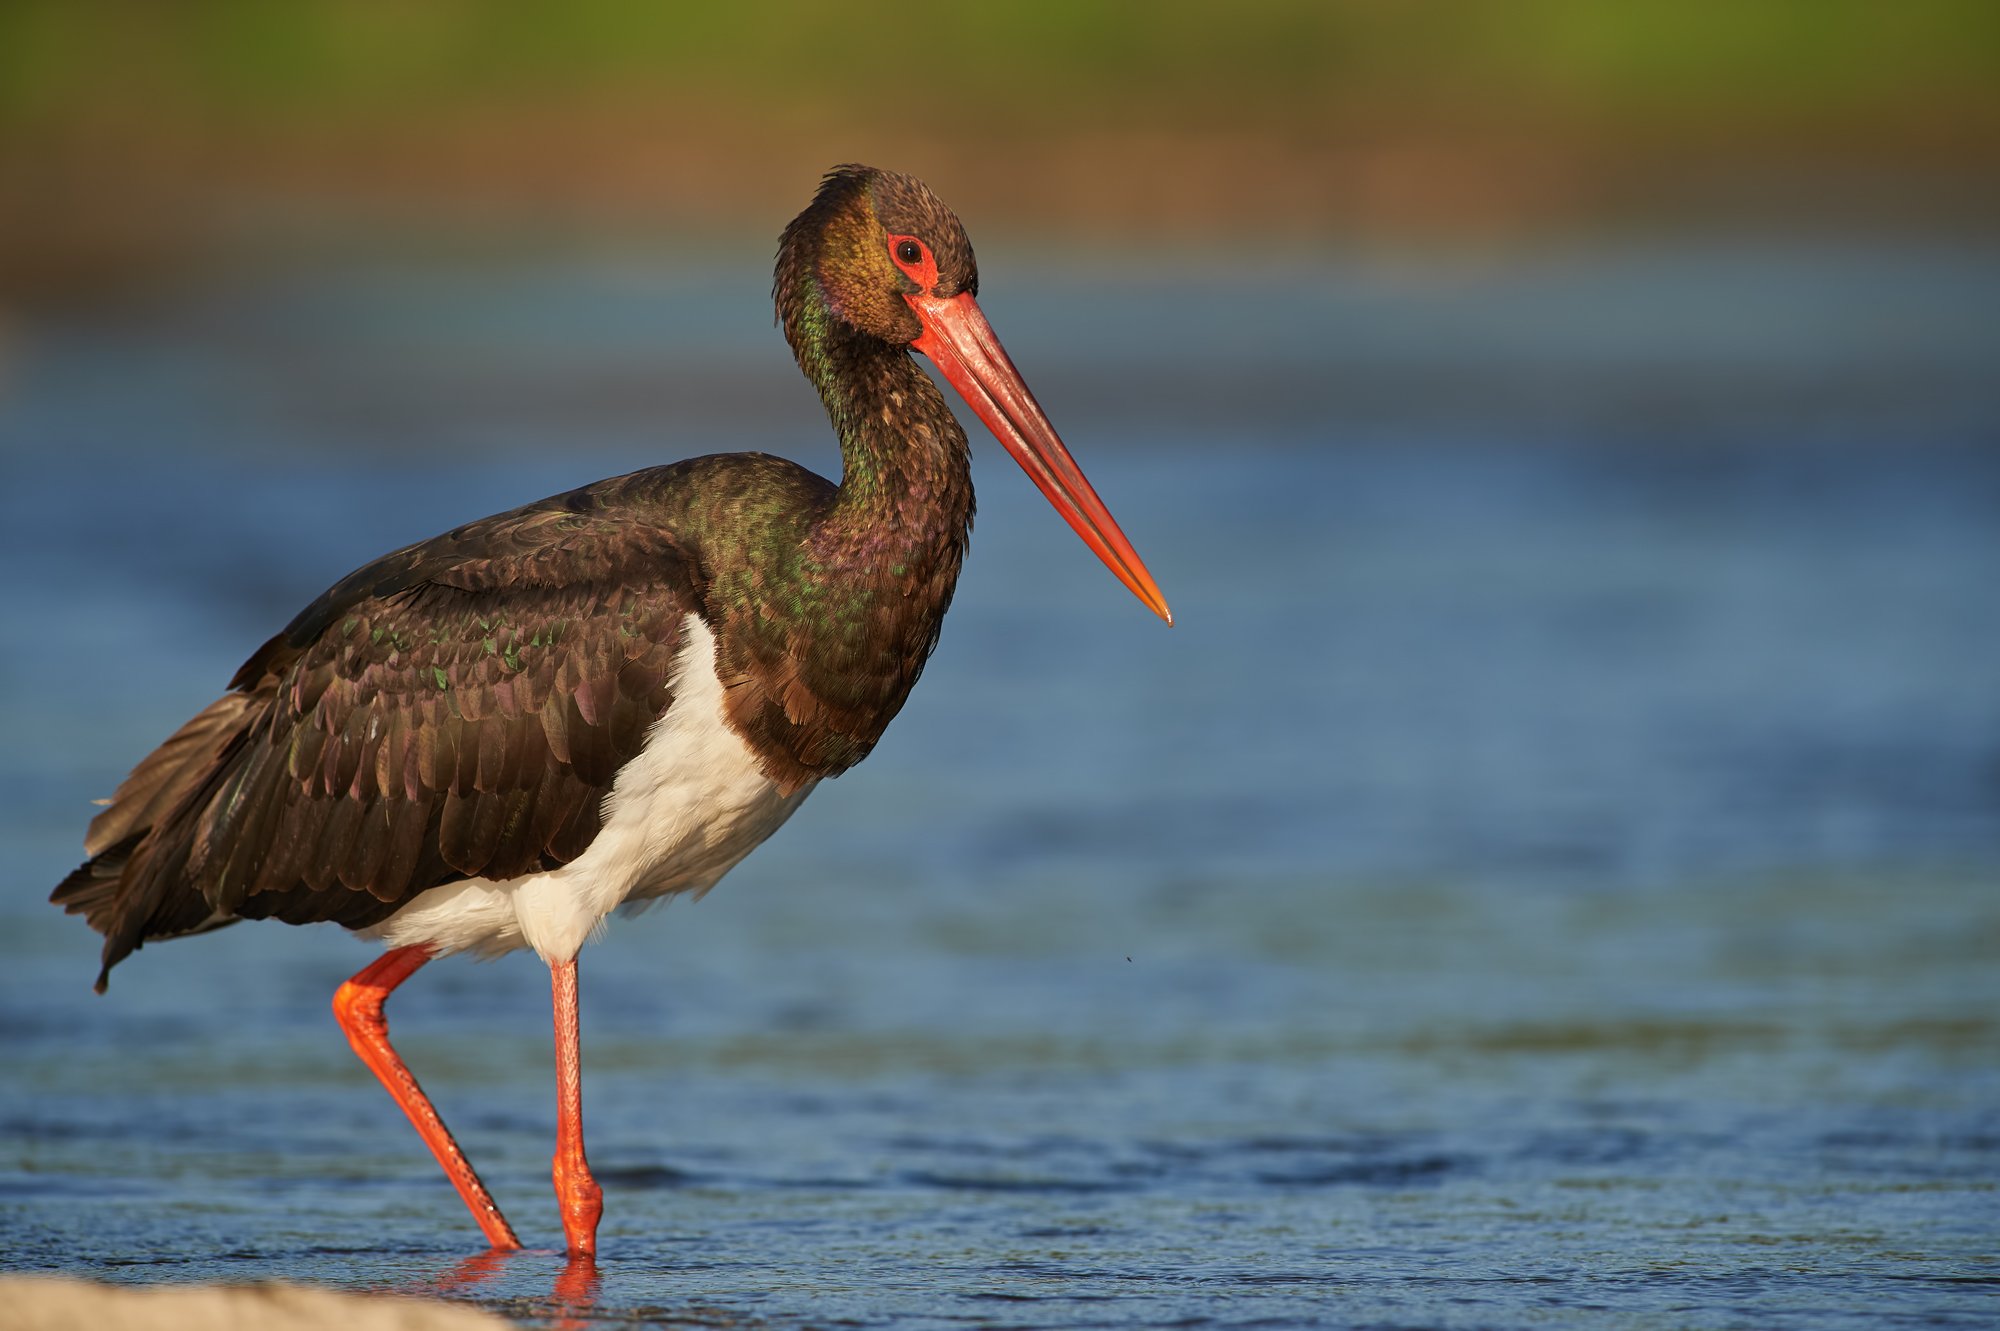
(357, 1006)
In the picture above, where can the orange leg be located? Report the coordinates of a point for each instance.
(577, 1194)
(357, 1006)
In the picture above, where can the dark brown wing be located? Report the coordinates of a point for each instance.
(456, 709)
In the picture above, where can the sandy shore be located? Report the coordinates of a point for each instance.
(54, 1303)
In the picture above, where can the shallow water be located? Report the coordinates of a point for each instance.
(1551, 877)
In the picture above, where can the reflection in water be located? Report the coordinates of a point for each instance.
(575, 1292)
(572, 1301)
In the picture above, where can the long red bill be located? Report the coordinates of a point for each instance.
(961, 344)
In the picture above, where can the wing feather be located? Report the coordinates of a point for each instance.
(459, 708)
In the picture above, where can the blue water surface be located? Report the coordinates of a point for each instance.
(1550, 876)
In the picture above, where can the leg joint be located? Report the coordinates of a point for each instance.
(359, 1006)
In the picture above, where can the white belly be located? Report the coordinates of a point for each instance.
(678, 817)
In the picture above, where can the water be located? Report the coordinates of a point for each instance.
(1547, 880)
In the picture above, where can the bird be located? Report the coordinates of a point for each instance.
(493, 739)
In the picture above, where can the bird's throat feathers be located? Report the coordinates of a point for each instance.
(878, 567)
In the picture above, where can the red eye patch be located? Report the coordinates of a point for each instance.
(915, 259)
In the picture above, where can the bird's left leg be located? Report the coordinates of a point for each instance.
(577, 1194)
(357, 1005)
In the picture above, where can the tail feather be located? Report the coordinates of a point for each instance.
(135, 886)
(166, 775)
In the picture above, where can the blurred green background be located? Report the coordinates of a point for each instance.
(133, 135)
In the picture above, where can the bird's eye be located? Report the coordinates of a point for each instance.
(914, 258)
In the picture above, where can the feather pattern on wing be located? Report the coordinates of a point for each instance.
(456, 709)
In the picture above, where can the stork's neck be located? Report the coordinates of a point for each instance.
(905, 503)
(831, 610)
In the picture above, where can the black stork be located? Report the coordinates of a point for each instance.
(493, 739)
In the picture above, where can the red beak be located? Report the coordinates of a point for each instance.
(961, 344)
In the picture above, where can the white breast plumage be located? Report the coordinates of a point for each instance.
(679, 816)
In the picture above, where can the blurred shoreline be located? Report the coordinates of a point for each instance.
(135, 142)
(174, 205)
